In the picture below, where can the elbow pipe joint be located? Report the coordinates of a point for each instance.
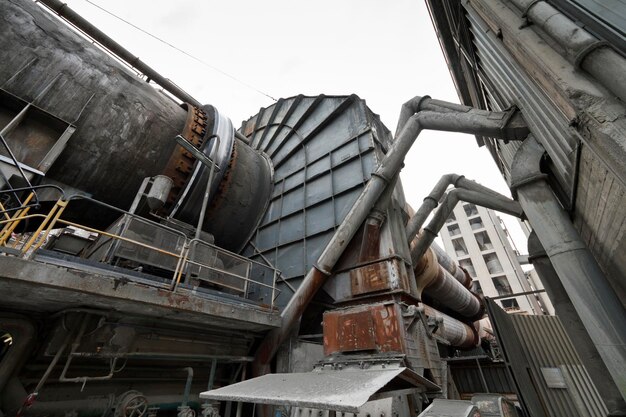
(526, 166)
(408, 109)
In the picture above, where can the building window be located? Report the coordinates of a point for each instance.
(451, 218)
(493, 263)
(454, 230)
(502, 285)
(510, 304)
(476, 287)
(459, 247)
(476, 223)
(484, 243)
(468, 266)
(470, 210)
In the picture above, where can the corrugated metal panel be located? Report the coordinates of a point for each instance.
(509, 84)
(323, 151)
(549, 359)
(468, 381)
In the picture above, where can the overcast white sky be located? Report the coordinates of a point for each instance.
(384, 51)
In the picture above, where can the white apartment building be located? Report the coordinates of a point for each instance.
(477, 239)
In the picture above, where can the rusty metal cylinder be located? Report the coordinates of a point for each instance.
(125, 129)
(455, 332)
(438, 284)
(452, 267)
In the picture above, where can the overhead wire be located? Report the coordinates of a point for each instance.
(182, 51)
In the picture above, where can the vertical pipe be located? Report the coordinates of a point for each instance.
(188, 385)
(240, 404)
(574, 328)
(482, 376)
(597, 305)
(212, 374)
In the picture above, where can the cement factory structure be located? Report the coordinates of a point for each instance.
(155, 260)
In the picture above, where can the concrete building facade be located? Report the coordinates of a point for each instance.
(477, 239)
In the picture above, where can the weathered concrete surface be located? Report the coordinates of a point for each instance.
(39, 287)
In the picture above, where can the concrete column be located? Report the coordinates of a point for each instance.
(597, 305)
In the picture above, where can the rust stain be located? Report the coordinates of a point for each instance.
(374, 327)
(181, 162)
(370, 278)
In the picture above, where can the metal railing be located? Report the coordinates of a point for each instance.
(226, 269)
(194, 261)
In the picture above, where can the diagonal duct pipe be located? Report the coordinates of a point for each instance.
(423, 242)
(504, 125)
(430, 203)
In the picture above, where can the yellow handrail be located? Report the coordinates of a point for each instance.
(41, 227)
(52, 220)
(6, 232)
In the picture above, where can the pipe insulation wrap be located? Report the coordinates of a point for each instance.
(434, 281)
(457, 333)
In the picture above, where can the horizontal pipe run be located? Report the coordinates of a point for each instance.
(98, 406)
(164, 356)
(455, 332)
(506, 125)
(451, 266)
(438, 284)
(115, 48)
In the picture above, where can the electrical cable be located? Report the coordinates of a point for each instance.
(214, 68)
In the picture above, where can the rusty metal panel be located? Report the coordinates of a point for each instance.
(356, 332)
(378, 327)
(389, 274)
(370, 278)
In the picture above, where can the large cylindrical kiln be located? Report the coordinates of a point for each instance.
(124, 128)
